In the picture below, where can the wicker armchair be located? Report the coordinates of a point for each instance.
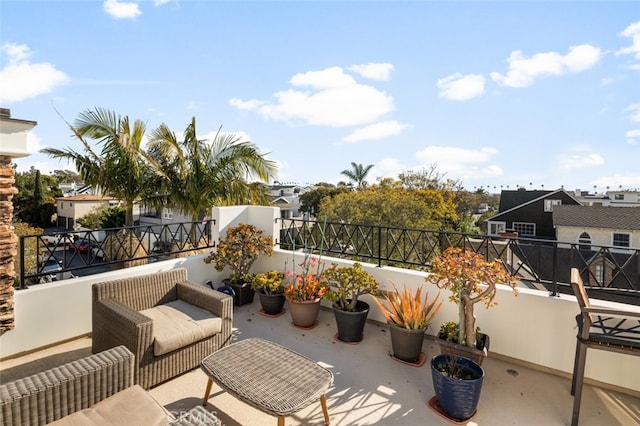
(93, 381)
(117, 321)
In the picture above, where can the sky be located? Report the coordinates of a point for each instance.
(505, 94)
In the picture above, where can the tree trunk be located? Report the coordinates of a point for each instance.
(469, 322)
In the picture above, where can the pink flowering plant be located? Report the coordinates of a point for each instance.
(308, 283)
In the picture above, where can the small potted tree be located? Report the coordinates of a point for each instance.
(457, 373)
(408, 315)
(271, 291)
(346, 284)
(471, 279)
(238, 251)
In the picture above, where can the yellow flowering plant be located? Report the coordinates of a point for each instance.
(270, 282)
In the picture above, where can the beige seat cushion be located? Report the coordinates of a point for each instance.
(132, 406)
(177, 324)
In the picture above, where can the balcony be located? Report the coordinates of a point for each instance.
(527, 372)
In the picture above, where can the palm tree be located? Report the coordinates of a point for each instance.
(118, 169)
(357, 174)
(194, 175)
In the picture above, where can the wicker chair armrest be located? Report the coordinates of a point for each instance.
(216, 302)
(63, 390)
(118, 324)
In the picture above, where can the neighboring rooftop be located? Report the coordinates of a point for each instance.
(627, 218)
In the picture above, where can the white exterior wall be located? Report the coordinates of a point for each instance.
(532, 327)
(599, 236)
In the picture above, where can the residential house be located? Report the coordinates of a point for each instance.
(619, 198)
(528, 213)
(287, 198)
(69, 209)
(596, 226)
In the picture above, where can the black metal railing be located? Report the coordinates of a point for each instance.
(609, 273)
(45, 258)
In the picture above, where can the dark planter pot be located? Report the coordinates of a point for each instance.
(271, 303)
(477, 354)
(351, 324)
(406, 344)
(304, 313)
(244, 293)
(457, 398)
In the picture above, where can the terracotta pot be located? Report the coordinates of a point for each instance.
(304, 313)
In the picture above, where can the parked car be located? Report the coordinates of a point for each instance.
(82, 247)
(98, 253)
(57, 239)
(52, 267)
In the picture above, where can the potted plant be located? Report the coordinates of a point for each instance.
(408, 316)
(457, 382)
(270, 290)
(238, 251)
(471, 279)
(304, 290)
(346, 284)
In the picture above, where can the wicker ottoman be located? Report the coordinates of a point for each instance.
(268, 376)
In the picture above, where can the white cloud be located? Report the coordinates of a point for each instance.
(460, 87)
(581, 161)
(121, 9)
(34, 143)
(376, 131)
(633, 136)
(628, 180)
(461, 163)
(632, 32)
(374, 71)
(634, 112)
(246, 105)
(161, 2)
(333, 98)
(524, 71)
(21, 79)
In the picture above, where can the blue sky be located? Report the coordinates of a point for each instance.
(500, 94)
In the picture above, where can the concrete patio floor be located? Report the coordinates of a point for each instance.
(370, 388)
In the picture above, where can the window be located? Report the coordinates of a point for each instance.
(619, 197)
(496, 227)
(167, 213)
(598, 271)
(584, 241)
(525, 228)
(621, 240)
(548, 204)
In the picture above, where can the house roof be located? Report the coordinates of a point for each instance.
(597, 217)
(515, 198)
(533, 197)
(86, 197)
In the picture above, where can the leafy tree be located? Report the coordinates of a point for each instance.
(118, 169)
(25, 207)
(390, 204)
(92, 220)
(428, 178)
(67, 176)
(112, 217)
(358, 174)
(195, 175)
(30, 250)
(310, 200)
